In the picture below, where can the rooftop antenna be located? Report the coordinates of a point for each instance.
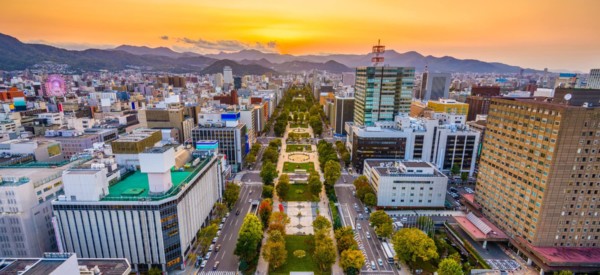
(567, 97)
(377, 51)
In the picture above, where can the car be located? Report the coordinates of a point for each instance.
(227, 215)
(220, 226)
(216, 265)
(251, 191)
(198, 262)
(404, 219)
(211, 247)
(360, 216)
(453, 189)
(368, 235)
(207, 256)
(373, 266)
(215, 239)
(249, 200)
(380, 262)
(366, 210)
(219, 233)
(354, 193)
(358, 226)
(237, 212)
(203, 265)
(218, 248)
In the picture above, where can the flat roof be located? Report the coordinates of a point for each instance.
(476, 233)
(107, 266)
(417, 164)
(134, 186)
(45, 266)
(17, 266)
(579, 258)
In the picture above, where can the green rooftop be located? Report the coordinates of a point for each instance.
(134, 187)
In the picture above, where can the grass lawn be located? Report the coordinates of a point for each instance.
(297, 148)
(290, 167)
(307, 263)
(292, 135)
(299, 192)
(298, 125)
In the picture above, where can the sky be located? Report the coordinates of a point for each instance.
(529, 33)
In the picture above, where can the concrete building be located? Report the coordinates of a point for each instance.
(227, 75)
(348, 79)
(73, 142)
(42, 150)
(231, 134)
(449, 106)
(150, 217)
(128, 147)
(442, 139)
(593, 81)
(406, 184)
(63, 264)
(343, 111)
(434, 86)
(172, 116)
(248, 116)
(537, 181)
(381, 93)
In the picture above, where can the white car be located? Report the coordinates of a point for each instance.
(219, 233)
(220, 226)
(380, 262)
(250, 201)
(358, 226)
(207, 255)
(215, 239)
(203, 264)
(211, 247)
(368, 235)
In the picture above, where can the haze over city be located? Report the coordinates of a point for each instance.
(523, 33)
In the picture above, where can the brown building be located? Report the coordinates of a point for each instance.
(485, 91)
(539, 180)
(578, 97)
(175, 81)
(478, 105)
(174, 116)
(10, 94)
(230, 99)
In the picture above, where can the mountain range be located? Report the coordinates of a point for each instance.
(16, 55)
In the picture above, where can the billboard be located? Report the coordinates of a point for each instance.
(55, 86)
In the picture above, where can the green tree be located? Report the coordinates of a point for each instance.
(464, 176)
(274, 251)
(231, 194)
(564, 272)
(221, 210)
(270, 154)
(370, 199)
(283, 186)
(278, 221)
(455, 170)
(346, 157)
(449, 267)
(205, 236)
(321, 223)
(264, 211)
(249, 238)
(250, 158)
(316, 124)
(255, 148)
(352, 261)
(155, 271)
(267, 191)
(314, 184)
(382, 223)
(275, 143)
(332, 172)
(344, 238)
(268, 173)
(324, 255)
(411, 244)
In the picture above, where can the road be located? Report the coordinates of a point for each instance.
(229, 233)
(371, 247)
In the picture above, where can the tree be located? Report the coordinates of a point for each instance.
(346, 157)
(382, 223)
(249, 238)
(324, 255)
(255, 148)
(275, 143)
(412, 243)
(344, 238)
(314, 184)
(352, 261)
(321, 223)
(332, 172)
(264, 211)
(564, 272)
(270, 154)
(316, 124)
(370, 199)
(267, 191)
(205, 236)
(283, 186)
(268, 173)
(232, 192)
(449, 267)
(464, 176)
(221, 210)
(274, 251)
(278, 221)
(250, 158)
(155, 271)
(455, 170)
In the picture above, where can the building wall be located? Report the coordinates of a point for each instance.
(450, 108)
(538, 170)
(456, 148)
(478, 105)
(344, 112)
(232, 142)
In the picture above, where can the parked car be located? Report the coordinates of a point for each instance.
(223, 220)
(218, 248)
(215, 239)
(211, 247)
(219, 233)
(207, 255)
(368, 235)
(358, 226)
(373, 266)
(203, 265)
(220, 226)
(380, 262)
(227, 215)
(216, 265)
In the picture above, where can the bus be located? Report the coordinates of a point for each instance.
(389, 252)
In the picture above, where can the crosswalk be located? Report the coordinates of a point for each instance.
(361, 246)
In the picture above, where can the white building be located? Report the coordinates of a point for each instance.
(64, 264)
(227, 75)
(594, 79)
(400, 183)
(150, 217)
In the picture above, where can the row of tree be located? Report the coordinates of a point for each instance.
(323, 254)
(251, 156)
(274, 251)
(270, 157)
(339, 145)
(364, 191)
(351, 259)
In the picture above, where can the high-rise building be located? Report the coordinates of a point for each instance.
(231, 134)
(449, 106)
(227, 75)
(434, 86)
(538, 182)
(348, 79)
(593, 81)
(149, 216)
(381, 93)
(343, 112)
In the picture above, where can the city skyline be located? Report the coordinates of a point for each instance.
(529, 34)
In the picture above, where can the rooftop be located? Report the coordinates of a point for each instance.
(475, 230)
(134, 186)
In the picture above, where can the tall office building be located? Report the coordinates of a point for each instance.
(594, 79)
(343, 111)
(381, 93)
(434, 86)
(227, 75)
(538, 180)
(149, 216)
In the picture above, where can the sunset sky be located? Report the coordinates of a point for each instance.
(530, 33)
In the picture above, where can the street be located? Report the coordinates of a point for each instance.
(371, 247)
